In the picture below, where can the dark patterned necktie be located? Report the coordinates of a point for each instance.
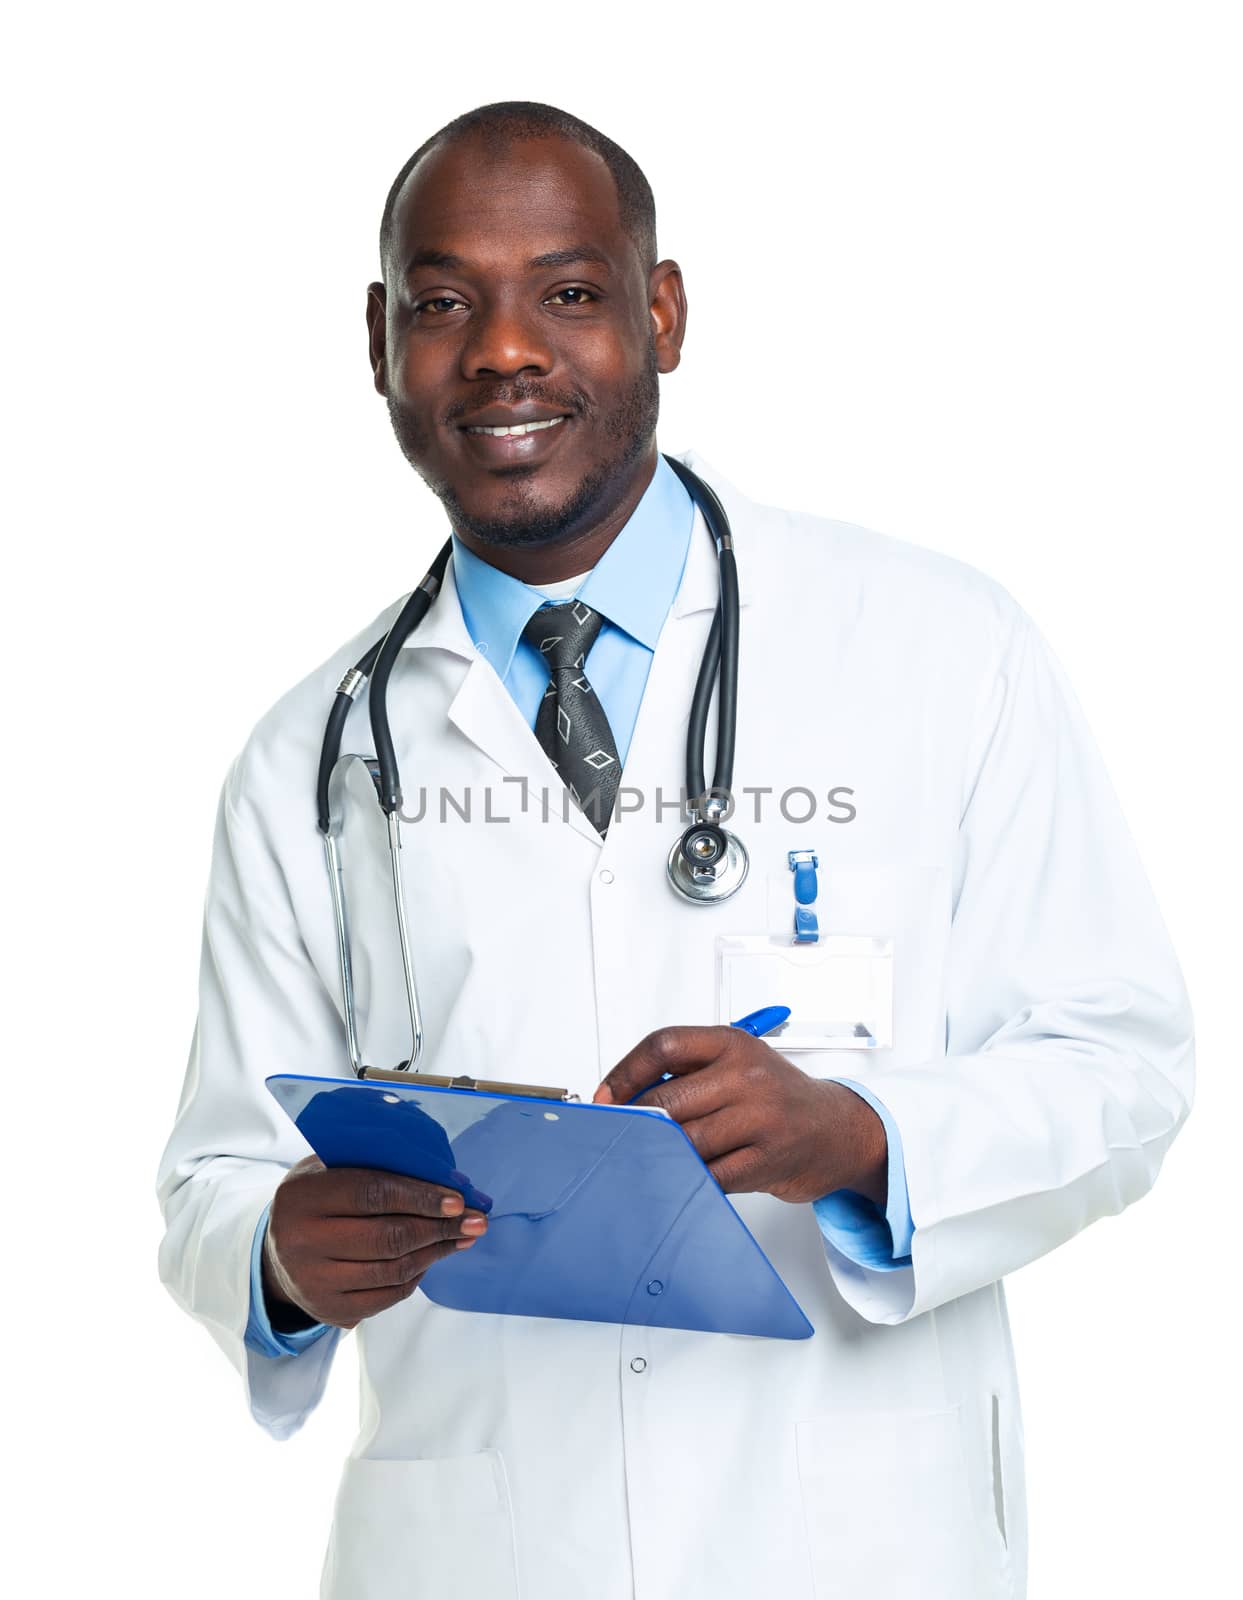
(571, 725)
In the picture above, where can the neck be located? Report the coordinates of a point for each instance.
(579, 551)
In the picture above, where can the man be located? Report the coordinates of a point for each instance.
(1040, 1058)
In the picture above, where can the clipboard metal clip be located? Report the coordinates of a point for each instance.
(434, 1080)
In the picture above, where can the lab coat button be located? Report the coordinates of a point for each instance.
(606, 876)
(638, 1364)
(655, 1287)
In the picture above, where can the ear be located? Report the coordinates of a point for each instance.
(667, 300)
(377, 332)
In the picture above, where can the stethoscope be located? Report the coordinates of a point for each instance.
(706, 864)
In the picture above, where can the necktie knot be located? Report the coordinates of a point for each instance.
(563, 634)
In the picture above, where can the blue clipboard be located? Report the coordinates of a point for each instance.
(598, 1213)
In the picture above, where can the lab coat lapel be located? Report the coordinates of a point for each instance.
(483, 710)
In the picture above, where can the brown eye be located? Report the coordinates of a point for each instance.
(438, 304)
(573, 296)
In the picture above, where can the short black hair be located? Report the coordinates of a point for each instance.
(507, 120)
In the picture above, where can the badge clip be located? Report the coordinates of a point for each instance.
(803, 864)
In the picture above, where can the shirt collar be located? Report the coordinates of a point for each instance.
(633, 584)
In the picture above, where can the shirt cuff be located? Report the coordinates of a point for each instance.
(261, 1337)
(856, 1225)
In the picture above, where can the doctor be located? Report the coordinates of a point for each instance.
(899, 715)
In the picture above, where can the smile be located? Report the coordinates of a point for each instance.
(517, 428)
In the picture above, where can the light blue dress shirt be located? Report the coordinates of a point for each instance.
(632, 587)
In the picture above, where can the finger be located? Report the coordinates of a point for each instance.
(675, 1050)
(357, 1277)
(369, 1192)
(697, 1094)
(394, 1235)
(353, 1306)
(308, 1164)
(740, 1171)
(718, 1135)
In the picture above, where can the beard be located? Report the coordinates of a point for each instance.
(526, 520)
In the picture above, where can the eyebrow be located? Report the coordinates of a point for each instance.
(571, 256)
(435, 258)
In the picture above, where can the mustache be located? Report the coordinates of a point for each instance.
(515, 394)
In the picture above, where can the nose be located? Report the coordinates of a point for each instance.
(505, 341)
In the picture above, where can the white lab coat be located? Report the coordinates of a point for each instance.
(1041, 1066)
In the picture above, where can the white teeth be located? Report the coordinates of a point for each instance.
(517, 428)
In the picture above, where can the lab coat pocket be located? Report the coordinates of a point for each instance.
(406, 1530)
(890, 1511)
(904, 904)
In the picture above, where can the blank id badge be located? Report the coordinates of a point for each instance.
(839, 989)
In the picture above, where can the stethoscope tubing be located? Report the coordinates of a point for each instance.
(407, 620)
(376, 666)
(331, 747)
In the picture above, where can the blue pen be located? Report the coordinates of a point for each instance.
(756, 1023)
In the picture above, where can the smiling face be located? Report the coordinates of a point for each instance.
(518, 340)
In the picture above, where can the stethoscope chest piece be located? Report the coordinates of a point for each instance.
(707, 864)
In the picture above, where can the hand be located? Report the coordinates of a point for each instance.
(758, 1123)
(346, 1242)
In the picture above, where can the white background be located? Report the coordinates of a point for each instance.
(967, 274)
